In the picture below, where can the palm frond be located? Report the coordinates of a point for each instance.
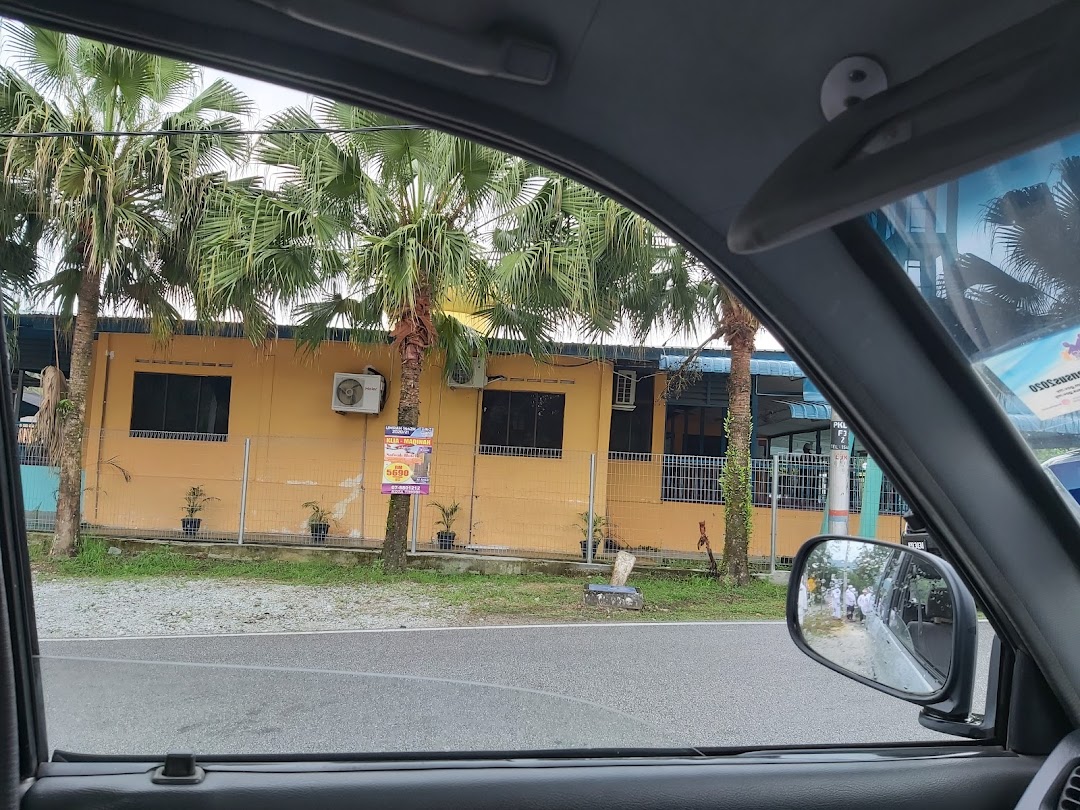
(363, 316)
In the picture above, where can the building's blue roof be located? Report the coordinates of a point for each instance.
(721, 364)
(815, 411)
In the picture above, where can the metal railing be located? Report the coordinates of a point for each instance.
(31, 453)
(802, 481)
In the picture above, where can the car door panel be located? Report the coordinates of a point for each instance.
(968, 778)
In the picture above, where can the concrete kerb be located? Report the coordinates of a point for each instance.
(451, 563)
(425, 560)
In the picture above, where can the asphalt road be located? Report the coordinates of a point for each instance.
(500, 688)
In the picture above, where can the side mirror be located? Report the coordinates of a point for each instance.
(892, 617)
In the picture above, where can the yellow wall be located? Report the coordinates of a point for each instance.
(638, 517)
(301, 450)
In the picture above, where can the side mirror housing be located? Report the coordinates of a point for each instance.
(892, 617)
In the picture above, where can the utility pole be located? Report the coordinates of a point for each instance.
(839, 476)
(843, 590)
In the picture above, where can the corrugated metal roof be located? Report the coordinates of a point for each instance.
(815, 411)
(38, 328)
(722, 365)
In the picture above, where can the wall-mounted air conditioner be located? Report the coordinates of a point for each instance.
(358, 393)
(469, 375)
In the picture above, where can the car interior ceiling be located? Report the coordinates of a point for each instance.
(682, 111)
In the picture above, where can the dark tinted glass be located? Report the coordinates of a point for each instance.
(549, 421)
(214, 405)
(523, 419)
(181, 404)
(521, 431)
(148, 401)
(494, 417)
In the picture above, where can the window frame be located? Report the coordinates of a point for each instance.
(181, 435)
(622, 419)
(490, 448)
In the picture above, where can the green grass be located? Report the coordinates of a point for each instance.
(495, 598)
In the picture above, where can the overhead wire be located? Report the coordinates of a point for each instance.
(104, 133)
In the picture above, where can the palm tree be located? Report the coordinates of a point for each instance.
(738, 327)
(1038, 281)
(21, 230)
(451, 247)
(681, 295)
(121, 208)
(642, 280)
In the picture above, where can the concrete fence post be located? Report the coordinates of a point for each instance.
(592, 508)
(243, 491)
(774, 509)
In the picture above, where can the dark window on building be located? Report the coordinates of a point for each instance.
(522, 423)
(692, 430)
(182, 406)
(631, 430)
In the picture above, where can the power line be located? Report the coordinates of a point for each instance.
(167, 132)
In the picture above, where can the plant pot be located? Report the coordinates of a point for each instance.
(319, 532)
(585, 549)
(446, 539)
(190, 525)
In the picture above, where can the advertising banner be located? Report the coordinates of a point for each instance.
(407, 460)
(1044, 372)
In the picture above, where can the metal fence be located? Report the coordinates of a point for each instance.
(31, 452)
(802, 481)
(510, 501)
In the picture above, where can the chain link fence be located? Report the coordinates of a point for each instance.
(490, 500)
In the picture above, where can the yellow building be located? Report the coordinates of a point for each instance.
(517, 453)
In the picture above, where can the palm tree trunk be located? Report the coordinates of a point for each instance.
(737, 474)
(69, 496)
(408, 415)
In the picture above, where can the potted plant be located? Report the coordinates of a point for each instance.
(446, 535)
(318, 522)
(194, 502)
(598, 524)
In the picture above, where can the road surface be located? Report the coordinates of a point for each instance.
(498, 688)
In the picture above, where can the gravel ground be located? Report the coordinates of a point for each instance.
(168, 606)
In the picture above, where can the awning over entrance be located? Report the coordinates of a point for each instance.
(778, 416)
(816, 411)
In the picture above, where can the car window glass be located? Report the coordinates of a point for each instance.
(921, 611)
(994, 255)
(884, 591)
(342, 442)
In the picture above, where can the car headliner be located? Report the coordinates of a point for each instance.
(681, 109)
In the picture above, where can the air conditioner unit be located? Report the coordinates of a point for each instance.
(624, 397)
(358, 393)
(469, 375)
